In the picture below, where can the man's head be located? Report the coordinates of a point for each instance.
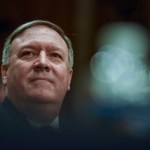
(37, 68)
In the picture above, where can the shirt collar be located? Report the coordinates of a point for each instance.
(54, 124)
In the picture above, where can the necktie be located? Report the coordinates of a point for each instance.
(46, 130)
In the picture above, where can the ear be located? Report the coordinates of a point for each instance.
(4, 69)
(70, 77)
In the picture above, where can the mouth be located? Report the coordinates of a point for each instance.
(41, 79)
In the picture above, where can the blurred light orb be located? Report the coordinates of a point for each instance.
(119, 64)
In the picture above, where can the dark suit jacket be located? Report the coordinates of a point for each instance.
(16, 132)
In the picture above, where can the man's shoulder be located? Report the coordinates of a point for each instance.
(4, 110)
(10, 117)
(7, 110)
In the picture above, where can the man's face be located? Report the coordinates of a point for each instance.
(38, 70)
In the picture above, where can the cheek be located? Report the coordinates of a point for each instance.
(14, 77)
(16, 74)
(61, 73)
(63, 78)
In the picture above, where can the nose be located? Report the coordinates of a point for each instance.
(41, 64)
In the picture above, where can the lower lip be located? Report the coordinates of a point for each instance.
(40, 80)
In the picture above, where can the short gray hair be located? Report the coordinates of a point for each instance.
(20, 29)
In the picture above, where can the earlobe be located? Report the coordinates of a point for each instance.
(4, 80)
(69, 86)
(4, 73)
(70, 77)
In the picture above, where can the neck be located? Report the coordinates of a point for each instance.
(37, 112)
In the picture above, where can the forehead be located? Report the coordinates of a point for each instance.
(40, 33)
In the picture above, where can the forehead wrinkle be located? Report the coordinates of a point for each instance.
(46, 45)
(40, 30)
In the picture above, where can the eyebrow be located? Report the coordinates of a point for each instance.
(33, 45)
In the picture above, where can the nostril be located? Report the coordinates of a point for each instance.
(41, 68)
(38, 68)
(46, 68)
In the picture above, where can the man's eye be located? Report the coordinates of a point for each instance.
(56, 55)
(28, 54)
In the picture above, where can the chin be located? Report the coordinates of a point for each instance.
(41, 99)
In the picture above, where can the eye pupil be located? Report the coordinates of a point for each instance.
(27, 54)
(56, 55)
